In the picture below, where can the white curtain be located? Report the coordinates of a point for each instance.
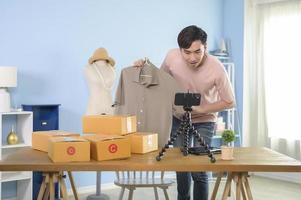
(272, 75)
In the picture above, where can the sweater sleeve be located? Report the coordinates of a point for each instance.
(224, 87)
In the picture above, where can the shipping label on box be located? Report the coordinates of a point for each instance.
(109, 147)
(143, 142)
(40, 138)
(68, 149)
(109, 124)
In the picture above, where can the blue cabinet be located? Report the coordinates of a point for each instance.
(45, 118)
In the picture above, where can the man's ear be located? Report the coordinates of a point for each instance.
(205, 46)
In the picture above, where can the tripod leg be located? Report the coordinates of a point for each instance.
(202, 143)
(186, 141)
(170, 142)
(185, 127)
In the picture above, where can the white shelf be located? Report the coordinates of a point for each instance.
(16, 113)
(15, 176)
(228, 114)
(23, 125)
(8, 146)
(219, 136)
(22, 121)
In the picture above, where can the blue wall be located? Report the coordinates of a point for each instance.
(50, 41)
(233, 31)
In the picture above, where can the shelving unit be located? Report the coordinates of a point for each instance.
(22, 123)
(229, 114)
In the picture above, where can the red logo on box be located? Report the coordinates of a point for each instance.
(113, 148)
(71, 151)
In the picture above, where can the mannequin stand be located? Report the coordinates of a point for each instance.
(98, 195)
(186, 128)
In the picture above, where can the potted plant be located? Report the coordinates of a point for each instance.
(228, 137)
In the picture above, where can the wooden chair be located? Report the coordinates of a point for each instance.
(134, 179)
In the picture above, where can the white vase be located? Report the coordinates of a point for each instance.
(227, 153)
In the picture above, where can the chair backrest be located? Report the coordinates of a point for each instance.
(139, 174)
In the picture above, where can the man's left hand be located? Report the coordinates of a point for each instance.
(198, 109)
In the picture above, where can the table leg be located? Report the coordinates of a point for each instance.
(230, 189)
(243, 187)
(63, 187)
(46, 194)
(227, 186)
(216, 186)
(51, 185)
(238, 186)
(73, 185)
(248, 190)
(42, 189)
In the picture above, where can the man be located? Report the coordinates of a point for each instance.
(197, 71)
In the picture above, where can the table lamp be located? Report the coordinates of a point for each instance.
(8, 78)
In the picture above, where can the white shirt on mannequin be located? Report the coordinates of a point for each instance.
(100, 76)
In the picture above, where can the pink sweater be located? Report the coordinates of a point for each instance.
(210, 80)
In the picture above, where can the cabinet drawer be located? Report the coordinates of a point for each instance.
(45, 125)
(45, 117)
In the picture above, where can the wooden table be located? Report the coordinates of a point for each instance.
(246, 160)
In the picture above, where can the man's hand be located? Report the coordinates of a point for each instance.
(139, 63)
(198, 109)
(178, 111)
(213, 107)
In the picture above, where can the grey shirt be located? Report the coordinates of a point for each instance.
(148, 92)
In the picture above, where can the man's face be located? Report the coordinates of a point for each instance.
(194, 55)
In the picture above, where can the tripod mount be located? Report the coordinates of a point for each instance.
(186, 127)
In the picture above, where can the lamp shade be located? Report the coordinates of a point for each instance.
(8, 76)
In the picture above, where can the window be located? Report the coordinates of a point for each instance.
(282, 69)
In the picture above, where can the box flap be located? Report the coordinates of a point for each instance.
(102, 137)
(105, 116)
(67, 139)
(144, 133)
(55, 133)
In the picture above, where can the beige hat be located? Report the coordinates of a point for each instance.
(101, 54)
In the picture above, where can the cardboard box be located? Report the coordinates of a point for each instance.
(68, 149)
(109, 147)
(109, 124)
(40, 138)
(143, 142)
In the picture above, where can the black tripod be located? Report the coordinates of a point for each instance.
(185, 128)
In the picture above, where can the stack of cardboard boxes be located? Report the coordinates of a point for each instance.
(117, 137)
(105, 138)
(62, 146)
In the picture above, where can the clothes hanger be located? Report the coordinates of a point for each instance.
(146, 62)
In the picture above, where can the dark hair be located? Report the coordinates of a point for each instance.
(190, 34)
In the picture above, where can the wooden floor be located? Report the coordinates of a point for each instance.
(262, 188)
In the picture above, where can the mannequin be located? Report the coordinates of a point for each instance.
(100, 76)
